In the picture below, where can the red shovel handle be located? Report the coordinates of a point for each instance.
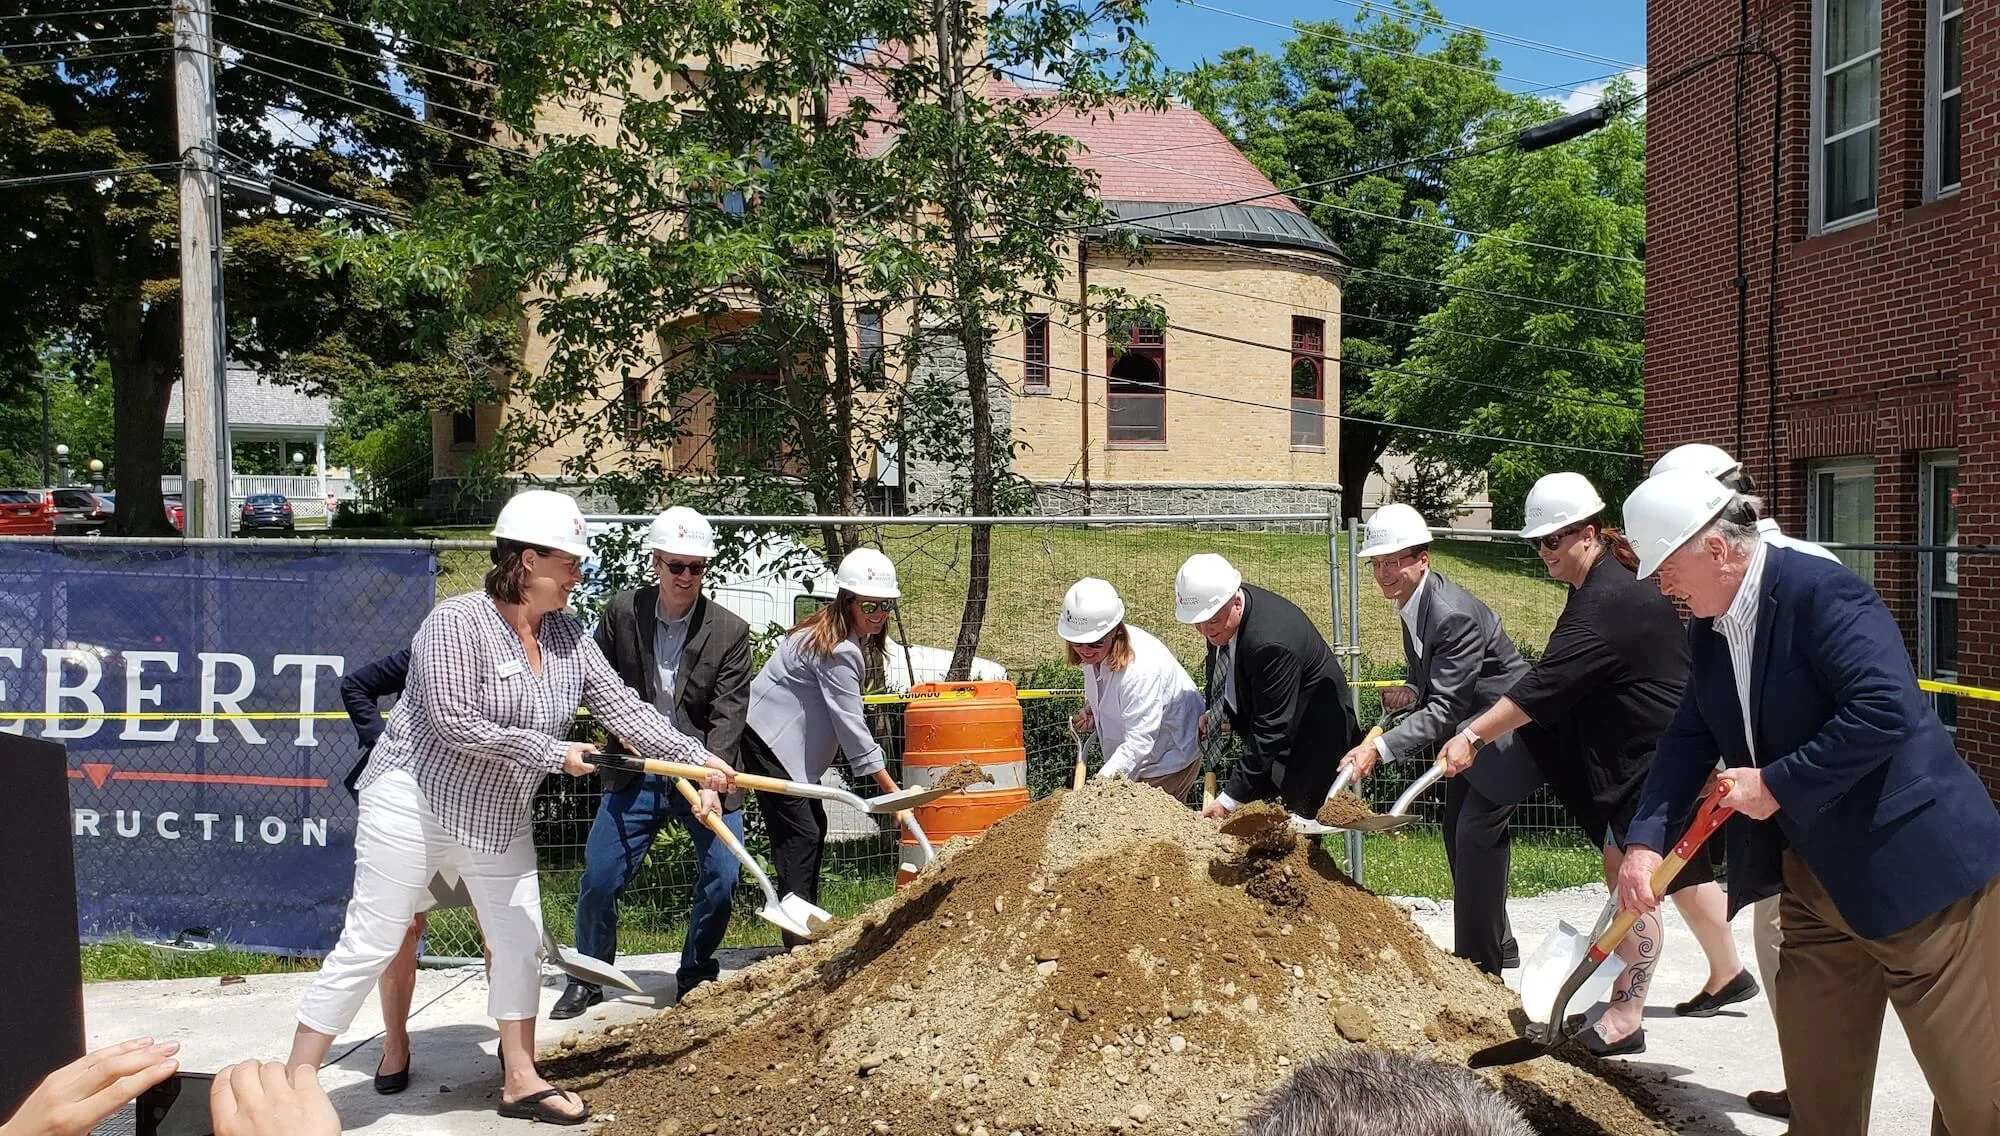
(1707, 818)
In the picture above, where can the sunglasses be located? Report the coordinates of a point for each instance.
(1101, 644)
(1554, 540)
(681, 569)
(876, 607)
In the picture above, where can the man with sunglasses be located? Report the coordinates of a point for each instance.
(1460, 662)
(689, 657)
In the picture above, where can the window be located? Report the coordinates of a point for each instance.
(1840, 508)
(1035, 352)
(631, 418)
(1308, 383)
(1942, 86)
(1937, 583)
(868, 340)
(1137, 385)
(1846, 109)
(464, 429)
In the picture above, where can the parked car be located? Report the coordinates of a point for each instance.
(27, 512)
(265, 511)
(81, 512)
(176, 512)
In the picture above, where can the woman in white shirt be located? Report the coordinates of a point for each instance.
(1136, 695)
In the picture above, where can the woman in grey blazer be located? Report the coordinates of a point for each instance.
(806, 703)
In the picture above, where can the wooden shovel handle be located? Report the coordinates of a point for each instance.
(1707, 819)
(713, 822)
(1207, 790)
(695, 772)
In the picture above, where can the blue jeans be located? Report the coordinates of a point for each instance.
(627, 820)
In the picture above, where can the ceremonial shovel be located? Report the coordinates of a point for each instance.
(790, 913)
(1544, 1038)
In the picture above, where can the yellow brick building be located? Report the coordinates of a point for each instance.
(1230, 406)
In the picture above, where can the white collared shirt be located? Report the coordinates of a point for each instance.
(1769, 532)
(1408, 611)
(1146, 714)
(1738, 625)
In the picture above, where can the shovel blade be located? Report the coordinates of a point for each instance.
(1388, 823)
(807, 913)
(777, 916)
(1513, 1052)
(902, 799)
(1546, 971)
(582, 967)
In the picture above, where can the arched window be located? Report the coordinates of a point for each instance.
(1137, 387)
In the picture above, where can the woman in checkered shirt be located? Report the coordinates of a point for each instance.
(495, 681)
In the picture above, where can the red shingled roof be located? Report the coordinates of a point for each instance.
(1170, 156)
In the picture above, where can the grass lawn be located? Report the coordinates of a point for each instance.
(1395, 865)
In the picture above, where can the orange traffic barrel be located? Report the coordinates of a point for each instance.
(949, 722)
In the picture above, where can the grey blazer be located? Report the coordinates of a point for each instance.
(1461, 662)
(805, 707)
(711, 686)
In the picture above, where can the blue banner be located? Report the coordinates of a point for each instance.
(198, 692)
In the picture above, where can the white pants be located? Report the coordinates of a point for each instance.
(398, 846)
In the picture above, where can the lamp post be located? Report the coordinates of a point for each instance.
(62, 464)
(46, 379)
(96, 474)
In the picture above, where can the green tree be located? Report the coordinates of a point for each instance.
(716, 190)
(93, 264)
(1567, 226)
(1341, 102)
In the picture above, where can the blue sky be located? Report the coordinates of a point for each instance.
(1612, 29)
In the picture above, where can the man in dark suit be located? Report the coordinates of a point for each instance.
(1850, 798)
(1460, 662)
(1277, 682)
(689, 657)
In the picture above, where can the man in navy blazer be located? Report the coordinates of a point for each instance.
(1850, 798)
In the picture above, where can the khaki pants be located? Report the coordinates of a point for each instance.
(1175, 785)
(1943, 977)
(1765, 935)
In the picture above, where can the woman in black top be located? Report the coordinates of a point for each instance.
(1599, 700)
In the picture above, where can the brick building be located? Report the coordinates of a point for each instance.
(1230, 406)
(1880, 421)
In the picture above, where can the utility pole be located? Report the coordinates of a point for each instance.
(205, 466)
(45, 429)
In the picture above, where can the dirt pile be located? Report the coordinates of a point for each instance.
(959, 776)
(1344, 810)
(1102, 961)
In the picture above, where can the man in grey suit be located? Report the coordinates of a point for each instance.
(1460, 661)
(689, 657)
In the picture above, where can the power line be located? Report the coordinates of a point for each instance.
(82, 42)
(380, 32)
(78, 13)
(83, 61)
(373, 109)
(86, 175)
(1508, 37)
(429, 103)
(381, 55)
(1315, 33)
(1342, 314)
(1502, 295)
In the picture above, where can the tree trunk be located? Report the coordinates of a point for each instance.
(1361, 446)
(143, 370)
(971, 327)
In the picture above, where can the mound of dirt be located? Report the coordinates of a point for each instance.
(959, 776)
(1102, 961)
(1344, 810)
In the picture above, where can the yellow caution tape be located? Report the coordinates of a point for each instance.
(1935, 687)
(339, 715)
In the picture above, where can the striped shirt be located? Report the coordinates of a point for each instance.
(479, 729)
(1738, 625)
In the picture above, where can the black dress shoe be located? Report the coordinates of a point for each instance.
(1635, 1042)
(389, 1084)
(1742, 988)
(1510, 956)
(1778, 1104)
(575, 1000)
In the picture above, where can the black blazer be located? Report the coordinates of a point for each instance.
(361, 692)
(1292, 711)
(712, 686)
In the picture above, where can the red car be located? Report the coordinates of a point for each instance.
(27, 512)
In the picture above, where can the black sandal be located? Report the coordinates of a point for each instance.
(536, 1107)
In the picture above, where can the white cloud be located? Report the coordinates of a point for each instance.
(1590, 94)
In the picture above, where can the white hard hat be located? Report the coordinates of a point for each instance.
(1667, 509)
(1090, 610)
(680, 531)
(1709, 461)
(868, 574)
(545, 519)
(1394, 528)
(1203, 585)
(1558, 501)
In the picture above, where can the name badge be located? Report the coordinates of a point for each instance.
(510, 668)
